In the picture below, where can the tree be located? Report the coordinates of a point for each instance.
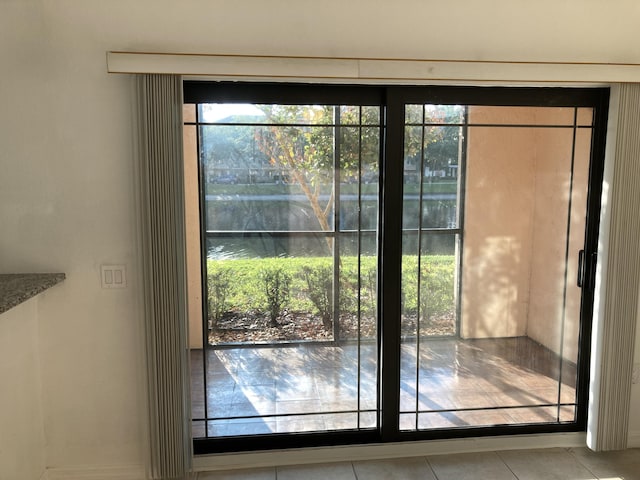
(434, 133)
(304, 150)
(319, 283)
(302, 141)
(277, 285)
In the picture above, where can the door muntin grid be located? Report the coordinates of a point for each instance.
(294, 189)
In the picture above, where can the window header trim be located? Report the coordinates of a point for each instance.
(370, 70)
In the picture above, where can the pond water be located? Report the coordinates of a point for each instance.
(246, 226)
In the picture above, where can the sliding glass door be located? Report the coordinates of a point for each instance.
(289, 199)
(512, 356)
(390, 263)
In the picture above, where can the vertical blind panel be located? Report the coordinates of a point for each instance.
(162, 216)
(623, 278)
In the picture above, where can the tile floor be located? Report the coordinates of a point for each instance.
(303, 387)
(547, 464)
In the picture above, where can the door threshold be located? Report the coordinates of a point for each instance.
(304, 456)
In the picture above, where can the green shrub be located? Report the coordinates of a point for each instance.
(218, 286)
(243, 287)
(369, 290)
(319, 282)
(368, 285)
(276, 284)
(437, 285)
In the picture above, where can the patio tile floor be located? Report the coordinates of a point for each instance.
(324, 380)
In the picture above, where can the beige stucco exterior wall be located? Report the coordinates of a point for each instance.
(548, 296)
(499, 205)
(192, 229)
(517, 201)
(549, 231)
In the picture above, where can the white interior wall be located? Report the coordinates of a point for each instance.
(66, 182)
(22, 442)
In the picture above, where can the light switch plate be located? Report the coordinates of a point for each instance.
(113, 276)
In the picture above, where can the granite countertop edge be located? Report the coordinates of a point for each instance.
(16, 288)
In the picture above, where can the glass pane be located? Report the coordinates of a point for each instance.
(517, 243)
(359, 115)
(282, 285)
(197, 385)
(413, 114)
(585, 117)
(429, 306)
(432, 158)
(268, 245)
(413, 155)
(434, 114)
(488, 115)
(236, 113)
(513, 360)
(359, 150)
(268, 178)
(429, 298)
(486, 417)
(198, 429)
(189, 113)
(568, 413)
(575, 242)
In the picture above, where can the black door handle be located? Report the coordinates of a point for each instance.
(580, 268)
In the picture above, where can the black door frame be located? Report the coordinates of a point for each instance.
(393, 99)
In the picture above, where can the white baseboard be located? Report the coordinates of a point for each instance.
(336, 454)
(135, 472)
(634, 440)
(378, 451)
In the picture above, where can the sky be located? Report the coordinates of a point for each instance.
(213, 112)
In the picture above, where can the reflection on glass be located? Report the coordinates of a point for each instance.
(431, 163)
(434, 114)
(358, 198)
(359, 115)
(268, 178)
(228, 113)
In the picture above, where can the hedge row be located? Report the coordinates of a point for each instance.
(305, 285)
